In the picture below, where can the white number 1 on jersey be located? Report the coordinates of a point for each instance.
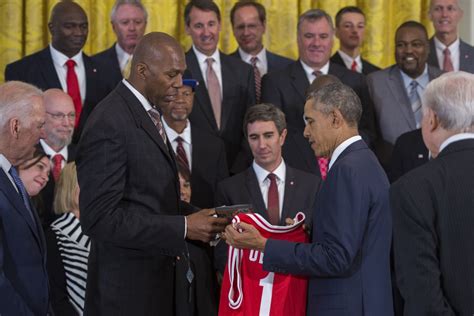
(266, 302)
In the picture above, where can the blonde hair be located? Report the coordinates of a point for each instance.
(65, 191)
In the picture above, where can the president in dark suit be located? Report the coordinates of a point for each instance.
(350, 30)
(287, 88)
(447, 50)
(129, 20)
(129, 196)
(49, 68)
(433, 206)
(226, 84)
(24, 288)
(265, 129)
(348, 259)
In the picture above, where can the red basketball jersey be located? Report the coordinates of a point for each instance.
(249, 290)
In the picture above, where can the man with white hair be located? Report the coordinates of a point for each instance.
(24, 286)
(433, 206)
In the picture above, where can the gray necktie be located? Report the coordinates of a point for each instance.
(415, 103)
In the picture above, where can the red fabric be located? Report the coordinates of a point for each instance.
(73, 88)
(323, 166)
(57, 161)
(447, 63)
(181, 153)
(273, 205)
(354, 66)
(261, 292)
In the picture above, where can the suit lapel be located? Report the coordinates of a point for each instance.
(227, 87)
(432, 57)
(299, 80)
(255, 193)
(466, 61)
(48, 71)
(91, 77)
(395, 82)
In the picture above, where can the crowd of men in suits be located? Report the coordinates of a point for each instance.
(321, 134)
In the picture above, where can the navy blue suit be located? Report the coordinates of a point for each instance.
(348, 258)
(109, 57)
(274, 61)
(24, 286)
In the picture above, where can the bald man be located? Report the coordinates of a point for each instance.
(63, 64)
(130, 205)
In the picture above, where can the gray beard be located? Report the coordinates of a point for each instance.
(54, 141)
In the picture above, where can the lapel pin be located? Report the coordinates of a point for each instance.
(291, 183)
(420, 156)
(94, 70)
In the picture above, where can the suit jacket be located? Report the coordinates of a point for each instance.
(298, 153)
(130, 208)
(367, 67)
(300, 192)
(109, 58)
(409, 153)
(393, 113)
(24, 288)
(209, 167)
(466, 56)
(433, 218)
(238, 86)
(38, 69)
(348, 260)
(287, 90)
(274, 61)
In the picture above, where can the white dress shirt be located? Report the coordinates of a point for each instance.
(6, 165)
(51, 153)
(216, 65)
(59, 61)
(309, 71)
(122, 57)
(185, 135)
(453, 49)
(262, 63)
(455, 138)
(264, 182)
(348, 60)
(342, 146)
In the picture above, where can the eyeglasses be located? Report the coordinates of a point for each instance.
(60, 116)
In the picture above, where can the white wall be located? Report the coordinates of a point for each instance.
(466, 27)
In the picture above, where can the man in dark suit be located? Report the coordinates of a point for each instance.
(86, 81)
(433, 206)
(348, 258)
(129, 196)
(226, 84)
(350, 29)
(196, 145)
(128, 19)
(287, 88)
(396, 90)
(265, 129)
(58, 130)
(248, 19)
(447, 51)
(24, 288)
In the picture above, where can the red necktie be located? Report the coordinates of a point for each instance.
(323, 166)
(354, 66)
(57, 161)
(181, 153)
(273, 205)
(447, 63)
(258, 79)
(73, 88)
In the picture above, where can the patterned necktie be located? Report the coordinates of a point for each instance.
(21, 189)
(415, 102)
(57, 161)
(273, 205)
(258, 78)
(73, 88)
(156, 118)
(354, 66)
(214, 90)
(323, 167)
(181, 153)
(447, 63)
(317, 73)
(128, 66)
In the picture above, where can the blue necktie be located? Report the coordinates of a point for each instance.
(22, 190)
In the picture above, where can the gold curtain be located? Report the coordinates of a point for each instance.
(23, 24)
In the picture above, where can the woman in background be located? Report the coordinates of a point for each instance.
(68, 248)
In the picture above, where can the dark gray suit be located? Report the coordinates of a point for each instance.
(274, 61)
(109, 57)
(466, 56)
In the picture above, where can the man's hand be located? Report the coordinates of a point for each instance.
(244, 236)
(204, 226)
(306, 228)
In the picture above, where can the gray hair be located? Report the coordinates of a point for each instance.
(451, 97)
(315, 15)
(15, 100)
(341, 97)
(265, 112)
(136, 3)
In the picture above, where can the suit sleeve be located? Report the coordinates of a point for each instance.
(415, 245)
(11, 302)
(395, 170)
(343, 226)
(12, 74)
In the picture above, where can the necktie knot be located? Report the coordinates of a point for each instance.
(271, 177)
(209, 61)
(179, 140)
(354, 66)
(413, 84)
(447, 52)
(254, 61)
(317, 73)
(70, 63)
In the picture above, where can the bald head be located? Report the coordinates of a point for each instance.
(320, 82)
(60, 116)
(68, 27)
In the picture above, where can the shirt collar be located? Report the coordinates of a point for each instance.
(422, 80)
(342, 146)
(309, 70)
(146, 105)
(262, 56)
(122, 55)
(60, 59)
(455, 138)
(202, 57)
(452, 48)
(172, 134)
(262, 174)
(5, 164)
(50, 151)
(348, 59)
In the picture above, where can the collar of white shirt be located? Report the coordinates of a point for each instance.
(144, 102)
(50, 151)
(348, 60)
(59, 59)
(453, 50)
(122, 56)
(202, 57)
(261, 62)
(455, 138)
(172, 134)
(262, 174)
(309, 71)
(342, 146)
